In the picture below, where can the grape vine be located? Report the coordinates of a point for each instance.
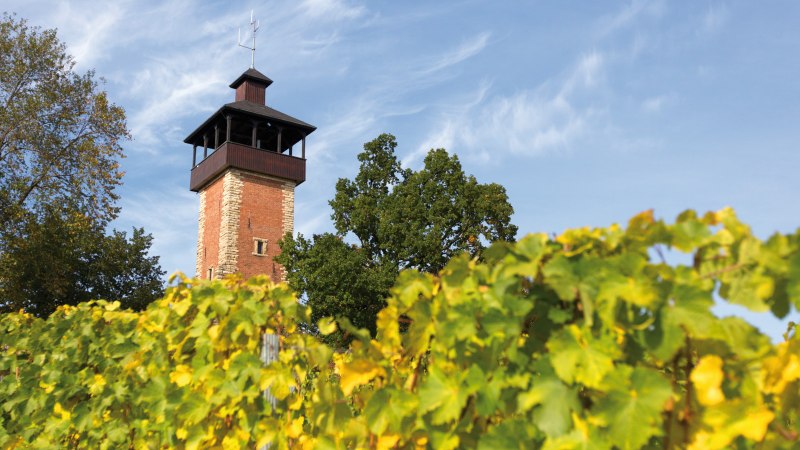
(588, 340)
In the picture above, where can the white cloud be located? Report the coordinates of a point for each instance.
(715, 18)
(585, 75)
(331, 9)
(629, 14)
(654, 104)
(529, 122)
(384, 96)
(465, 51)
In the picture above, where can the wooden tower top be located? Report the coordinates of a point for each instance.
(248, 135)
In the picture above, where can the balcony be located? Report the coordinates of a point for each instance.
(251, 159)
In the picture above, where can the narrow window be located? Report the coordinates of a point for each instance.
(259, 247)
(210, 273)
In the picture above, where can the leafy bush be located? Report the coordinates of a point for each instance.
(586, 340)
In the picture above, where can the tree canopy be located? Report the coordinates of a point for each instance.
(401, 219)
(60, 137)
(67, 259)
(60, 146)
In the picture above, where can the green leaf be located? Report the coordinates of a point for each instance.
(443, 396)
(388, 408)
(632, 411)
(553, 401)
(577, 356)
(690, 234)
(688, 309)
(511, 434)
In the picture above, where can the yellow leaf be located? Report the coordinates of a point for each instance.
(326, 325)
(181, 433)
(230, 443)
(388, 441)
(181, 307)
(60, 411)
(707, 377)
(48, 388)
(357, 373)
(213, 331)
(792, 370)
(98, 382)
(181, 376)
(296, 402)
(295, 429)
(756, 424)
(782, 369)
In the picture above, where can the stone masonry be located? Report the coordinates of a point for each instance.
(237, 209)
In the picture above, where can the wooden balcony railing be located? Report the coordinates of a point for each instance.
(240, 156)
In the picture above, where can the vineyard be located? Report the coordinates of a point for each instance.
(594, 339)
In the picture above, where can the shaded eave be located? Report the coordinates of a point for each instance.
(252, 110)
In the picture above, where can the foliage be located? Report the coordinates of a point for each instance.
(67, 259)
(353, 287)
(584, 341)
(60, 142)
(59, 134)
(402, 219)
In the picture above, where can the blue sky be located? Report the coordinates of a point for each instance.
(588, 112)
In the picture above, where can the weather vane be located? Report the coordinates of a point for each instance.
(254, 26)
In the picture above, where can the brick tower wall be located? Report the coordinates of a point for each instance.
(245, 207)
(208, 229)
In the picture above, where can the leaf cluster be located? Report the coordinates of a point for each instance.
(587, 340)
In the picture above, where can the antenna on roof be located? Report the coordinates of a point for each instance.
(254, 26)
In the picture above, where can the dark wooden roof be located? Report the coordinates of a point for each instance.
(251, 74)
(253, 110)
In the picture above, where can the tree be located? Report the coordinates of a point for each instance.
(59, 135)
(60, 143)
(401, 219)
(67, 259)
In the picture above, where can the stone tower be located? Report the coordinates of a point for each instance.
(246, 180)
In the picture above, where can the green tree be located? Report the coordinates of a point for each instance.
(59, 135)
(401, 219)
(60, 145)
(66, 259)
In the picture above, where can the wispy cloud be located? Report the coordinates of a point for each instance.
(386, 96)
(715, 18)
(468, 49)
(655, 104)
(332, 9)
(630, 14)
(529, 122)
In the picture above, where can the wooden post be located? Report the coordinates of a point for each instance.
(227, 128)
(304, 146)
(205, 146)
(194, 155)
(270, 348)
(255, 132)
(280, 134)
(216, 136)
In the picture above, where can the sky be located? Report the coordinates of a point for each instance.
(587, 112)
